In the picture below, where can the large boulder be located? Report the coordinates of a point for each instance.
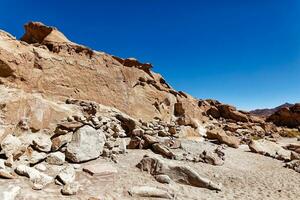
(10, 144)
(269, 148)
(36, 32)
(87, 144)
(220, 135)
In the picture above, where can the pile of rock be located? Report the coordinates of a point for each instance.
(240, 124)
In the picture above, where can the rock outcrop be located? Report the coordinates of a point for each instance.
(47, 62)
(287, 116)
(74, 117)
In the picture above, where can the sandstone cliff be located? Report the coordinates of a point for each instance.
(46, 62)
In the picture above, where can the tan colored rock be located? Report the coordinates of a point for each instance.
(178, 173)
(230, 112)
(56, 158)
(6, 174)
(59, 141)
(26, 111)
(147, 191)
(38, 179)
(163, 150)
(223, 138)
(52, 65)
(100, 169)
(87, 144)
(10, 144)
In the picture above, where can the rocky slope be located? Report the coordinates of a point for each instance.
(269, 111)
(81, 123)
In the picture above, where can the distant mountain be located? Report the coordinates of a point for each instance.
(269, 111)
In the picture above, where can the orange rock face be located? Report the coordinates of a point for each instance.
(288, 116)
(48, 63)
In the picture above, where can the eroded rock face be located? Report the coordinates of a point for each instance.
(87, 144)
(37, 32)
(59, 67)
(287, 116)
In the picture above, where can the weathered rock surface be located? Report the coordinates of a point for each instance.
(67, 175)
(10, 144)
(269, 148)
(178, 173)
(70, 188)
(38, 179)
(223, 138)
(147, 191)
(56, 158)
(100, 169)
(87, 144)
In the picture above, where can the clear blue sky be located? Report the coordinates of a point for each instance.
(242, 52)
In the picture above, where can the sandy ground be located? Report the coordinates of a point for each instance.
(244, 175)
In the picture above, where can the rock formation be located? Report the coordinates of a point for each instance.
(82, 121)
(287, 116)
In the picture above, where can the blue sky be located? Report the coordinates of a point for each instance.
(241, 52)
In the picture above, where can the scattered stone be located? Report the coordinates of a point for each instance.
(66, 175)
(87, 144)
(42, 142)
(178, 173)
(269, 148)
(61, 140)
(147, 191)
(9, 192)
(6, 174)
(212, 158)
(56, 158)
(138, 132)
(150, 140)
(294, 164)
(10, 144)
(70, 188)
(39, 179)
(223, 138)
(163, 150)
(41, 167)
(163, 178)
(100, 169)
(32, 157)
(295, 156)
